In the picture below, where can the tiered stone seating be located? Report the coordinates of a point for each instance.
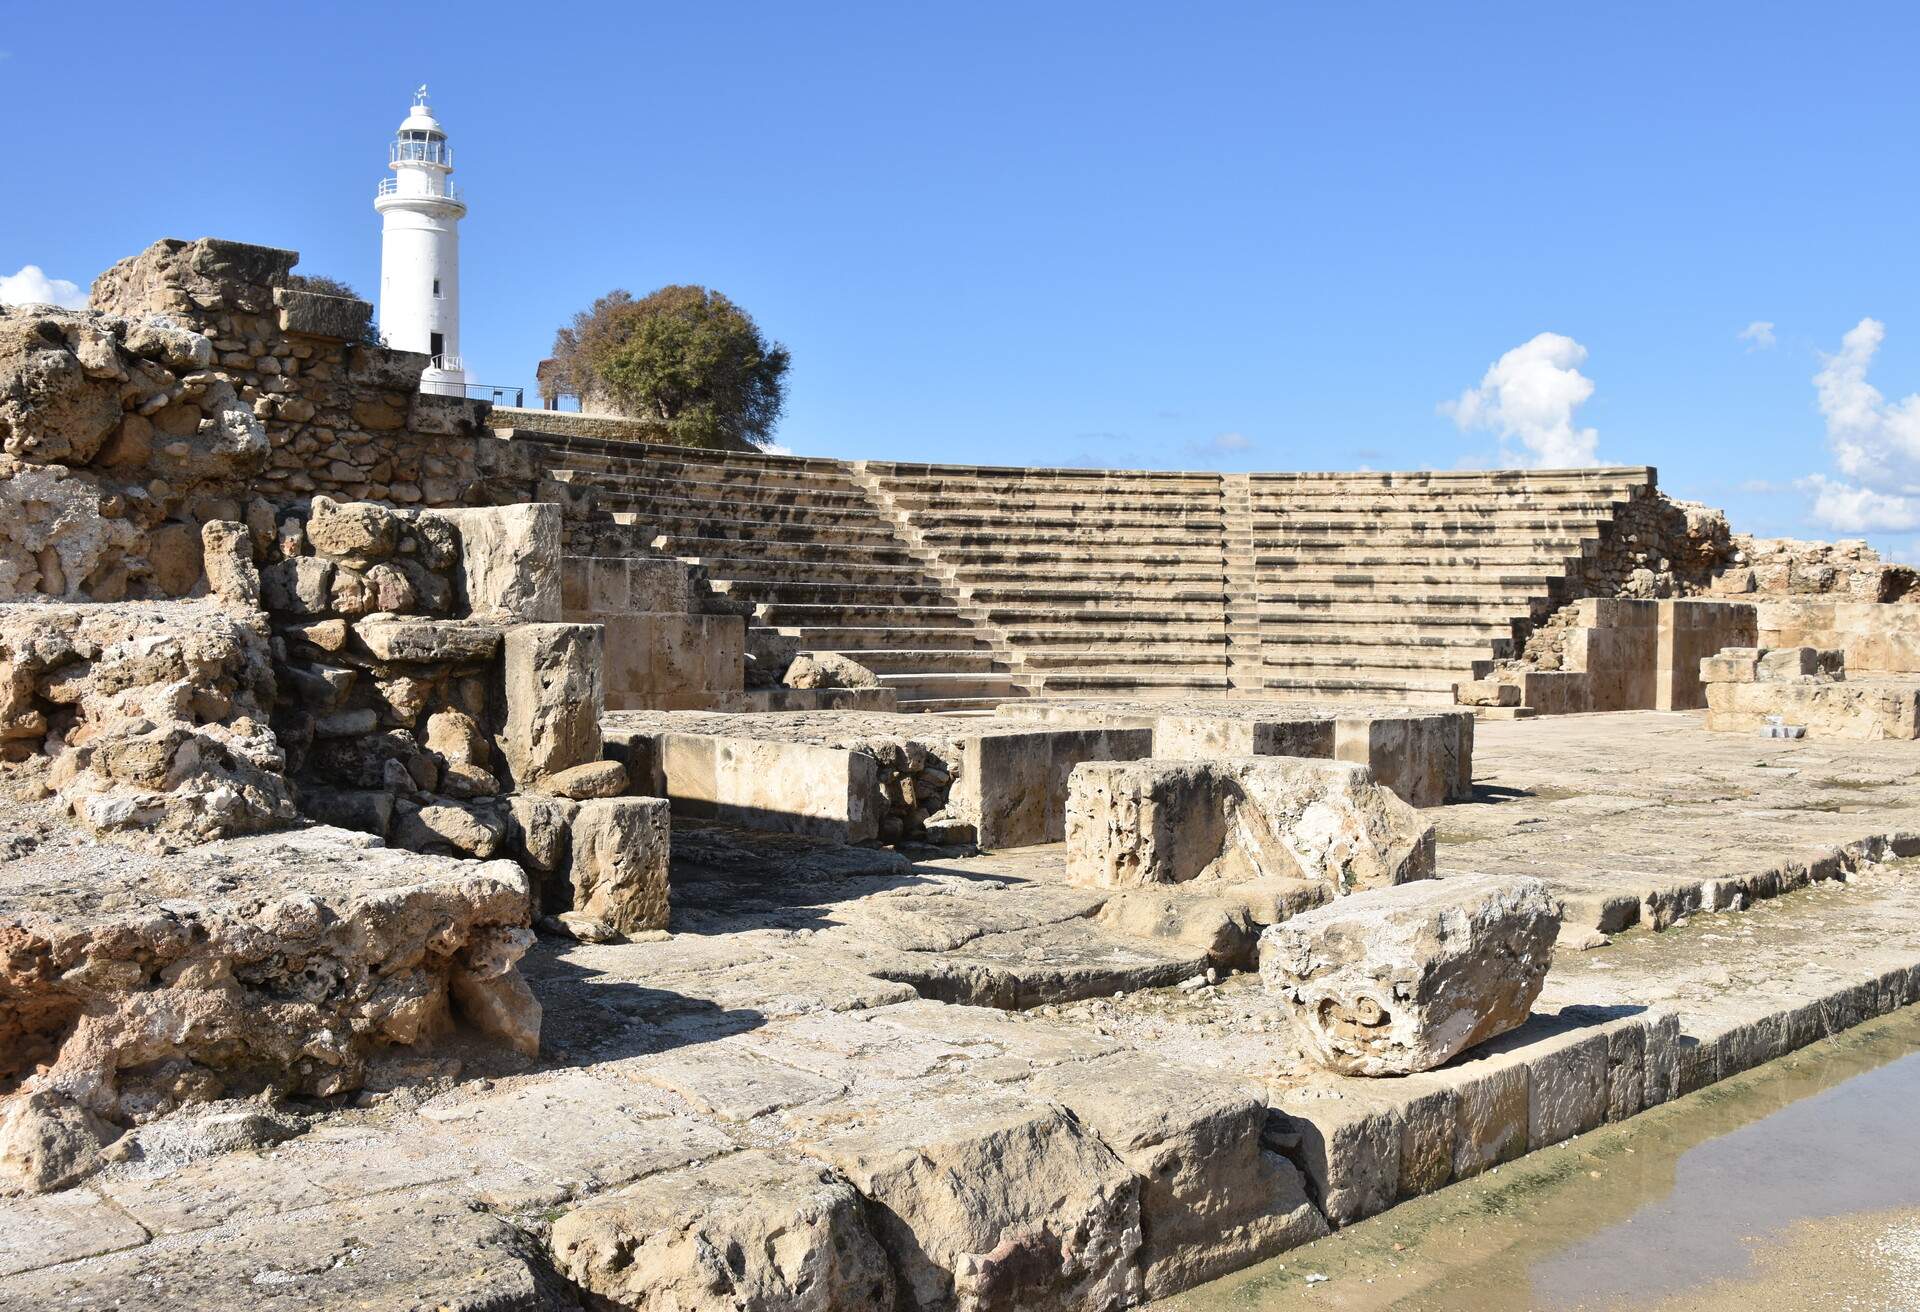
(963, 585)
(799, 544)
(1389, 586)
(1095, 581)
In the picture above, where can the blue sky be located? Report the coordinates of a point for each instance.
(1181, 236)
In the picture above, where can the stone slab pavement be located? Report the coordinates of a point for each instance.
(815, 1020)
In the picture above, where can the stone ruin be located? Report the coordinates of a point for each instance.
(482, 857)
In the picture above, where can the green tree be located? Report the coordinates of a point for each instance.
(683, 355)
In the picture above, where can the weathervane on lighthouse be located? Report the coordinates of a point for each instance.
(420, 212)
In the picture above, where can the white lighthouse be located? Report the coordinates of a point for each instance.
(420, 212)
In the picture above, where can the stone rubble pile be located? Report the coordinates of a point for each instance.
(114, 431)
(151, 719)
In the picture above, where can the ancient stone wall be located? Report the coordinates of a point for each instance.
(342, 416)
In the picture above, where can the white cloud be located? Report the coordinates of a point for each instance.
(1875, 442)
(1530, 396)
(775, 449)
(1758, 335)
(1228, 442)
(1849, 509)
(31, 286)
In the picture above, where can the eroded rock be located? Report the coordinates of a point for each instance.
(1137, 823)
(1404, 979)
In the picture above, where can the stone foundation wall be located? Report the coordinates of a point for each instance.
(612, 428)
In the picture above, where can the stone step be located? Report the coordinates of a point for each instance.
(1019, 500)
(855, 638)
(950, 523)
(1066, 553)
(1626, 476)
(1393, 525)
(1501, 578)
(921, 475)
(1042, 635)
(715, 524)
(1477, 644)
(1067, 540)
(1110, 572)
(703, 479)
(688, 510)
(1078, 681)
(780, 614)
(1345, 687)
(886, 660)
(703, 549)
(737, 490)
(1491, 596)
(946, 684)
(1113, 611)
(1193, 654)
(1079, 596)
(959, 707)
(1379, 663)
(827, 593)
(653, 453)
(1273, 625)
(1365, 555)
(777, 569)
(1586, 502)
(1556, 547)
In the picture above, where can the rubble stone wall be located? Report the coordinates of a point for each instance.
(343, 416)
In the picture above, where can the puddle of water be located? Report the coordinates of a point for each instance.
(1731, 1197)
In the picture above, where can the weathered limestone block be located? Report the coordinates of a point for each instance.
(132, 987)
(1486, 692)
(1012, 786)
(1787, 663)
(551, 674)
(788, 787)
(360, 531)
(619, 849)
(989, 1199)
(227, 550)
(753, 1231)
(1404, 979)
(454, 641)
(1213, 1198)
(1864, 710)
(509, 560)
(594, 779)
(1133, 823)
(1424, 757)
(828, 669)
(1202, 737)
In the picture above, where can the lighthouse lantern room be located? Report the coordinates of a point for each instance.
(420, 212)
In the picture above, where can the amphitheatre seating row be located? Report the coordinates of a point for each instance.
(799, 544)
(962, 586)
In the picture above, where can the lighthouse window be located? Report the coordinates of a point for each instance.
(436, 286)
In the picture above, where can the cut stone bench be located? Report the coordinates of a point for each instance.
(855, 776)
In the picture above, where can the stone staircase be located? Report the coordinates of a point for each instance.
(1390, 586)
(796, 544)
(1095, 581)
(962, 586)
